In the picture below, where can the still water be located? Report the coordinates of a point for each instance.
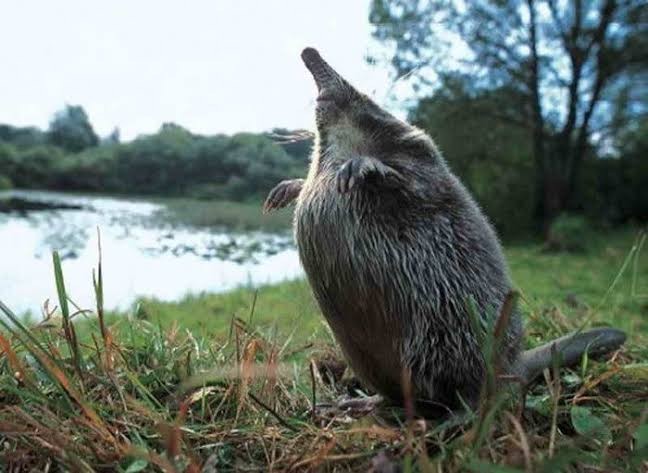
(142, 253)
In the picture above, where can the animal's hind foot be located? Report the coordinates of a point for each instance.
(282, 194)
(361, 403)
(353, 407)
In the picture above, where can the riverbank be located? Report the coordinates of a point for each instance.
(241, 216)
(227, 382)
(164, 249)
(606, 284)
(212, 213)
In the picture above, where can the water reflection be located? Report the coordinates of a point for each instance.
(142, 255)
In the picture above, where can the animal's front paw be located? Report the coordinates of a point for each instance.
(354, 171)
(283, 194)
(357, 170)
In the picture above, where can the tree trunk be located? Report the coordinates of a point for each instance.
(544, 175)
(556, 193)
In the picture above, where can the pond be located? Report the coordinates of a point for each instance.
(143, 254)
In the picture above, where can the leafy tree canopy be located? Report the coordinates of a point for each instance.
(71, 130)
(574, 71)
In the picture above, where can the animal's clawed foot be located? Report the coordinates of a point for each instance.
(282, 194)
(361, 403)
(358, 169)
(354, 407)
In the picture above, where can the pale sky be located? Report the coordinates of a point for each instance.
(211, 66)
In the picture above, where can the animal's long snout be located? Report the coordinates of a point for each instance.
(325, 76)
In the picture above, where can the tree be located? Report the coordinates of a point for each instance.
(22, 137)
(7, 165)
(35, 167)
(566, 62)
(71, 130)
(494, 165)
(114, 138)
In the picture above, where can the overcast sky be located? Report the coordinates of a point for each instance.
(211, 66)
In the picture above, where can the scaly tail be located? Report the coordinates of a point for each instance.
(570, 348)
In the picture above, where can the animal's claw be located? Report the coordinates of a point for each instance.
(354, 171)
(345, 177)
(354, 407)
(282, 194)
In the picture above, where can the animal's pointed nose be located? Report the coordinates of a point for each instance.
(325, 76)
(310, 55)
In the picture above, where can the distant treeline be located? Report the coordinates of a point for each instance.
(173, 161)
(493, 158)
(543, 109)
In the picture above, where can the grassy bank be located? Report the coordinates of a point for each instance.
(221, 213)
(224, 383)
(607, 284)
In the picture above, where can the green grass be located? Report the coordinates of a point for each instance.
(226, 380)
(546, 281)
(285, 309)
(233, 215)
(608, 282)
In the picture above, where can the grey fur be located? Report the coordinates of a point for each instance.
(397, 251)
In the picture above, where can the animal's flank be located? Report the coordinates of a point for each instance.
(398, 253)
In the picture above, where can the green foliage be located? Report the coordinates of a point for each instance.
(493, 158)
(173, 161)
(615, 187)
(91, 170)
(7, 160)
(545, 280)
(36, 166)
(593, 80)
(589, 425)
(5, 183)
(154, 162)
(71, 130)
(225, 382)
(641, 437)
(288, 309)
(640, 446)
(209, 212)
(24, 137)
(568, 233)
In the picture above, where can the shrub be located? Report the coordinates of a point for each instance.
(5, 183)
(33, 167)
(568, 233)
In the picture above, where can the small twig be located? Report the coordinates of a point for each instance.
(524, 441)
(554, 387)
(298, 349)
(595, 382)
(523, 387)
(254, 301)
(272, 412)
(313, 389)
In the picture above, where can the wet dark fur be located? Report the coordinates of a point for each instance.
(397, 262)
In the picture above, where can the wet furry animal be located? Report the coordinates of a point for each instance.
(398, 254)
